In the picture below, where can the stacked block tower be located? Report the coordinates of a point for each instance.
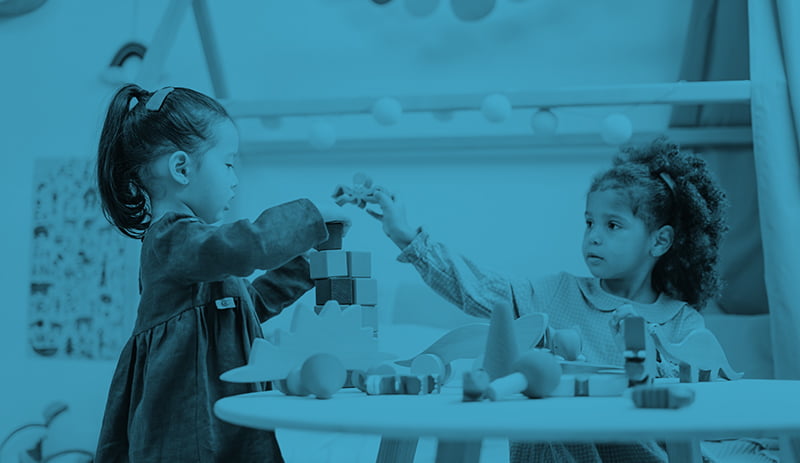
(345, 277)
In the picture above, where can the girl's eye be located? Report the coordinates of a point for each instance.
(613, 225)
(588, 223)
(229, 165)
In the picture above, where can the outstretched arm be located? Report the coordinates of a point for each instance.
(279, 288)
(191, 251)
(473, 289)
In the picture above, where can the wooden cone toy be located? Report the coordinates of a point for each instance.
(536, 374)
(501, 343)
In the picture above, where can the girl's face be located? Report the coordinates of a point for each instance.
(214, 180)
(616, 244)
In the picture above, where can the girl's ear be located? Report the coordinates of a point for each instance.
(178, 164)
(662, 240)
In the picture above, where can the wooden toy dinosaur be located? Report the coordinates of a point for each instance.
(700, 349)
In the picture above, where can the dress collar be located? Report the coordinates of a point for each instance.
(661, 311)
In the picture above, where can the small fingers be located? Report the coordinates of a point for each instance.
(374, 214)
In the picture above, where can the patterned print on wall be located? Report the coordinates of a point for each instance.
(84, 273)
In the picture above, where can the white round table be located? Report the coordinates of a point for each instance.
(744, 408)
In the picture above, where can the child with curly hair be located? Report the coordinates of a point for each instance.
(166, 174)
(654, 222)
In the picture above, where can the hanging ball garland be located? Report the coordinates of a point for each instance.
(472, 10)
(321, 135)
(387, 111)
(617, 129)
(544, 122)
(496, 108)
(421, 8)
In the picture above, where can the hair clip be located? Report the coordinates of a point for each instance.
(157, 98)
(668, 180)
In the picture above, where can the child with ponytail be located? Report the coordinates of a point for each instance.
(166, 174)
(654, 222)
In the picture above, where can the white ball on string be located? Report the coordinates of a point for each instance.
(387, 111)
(421, 8)
(617, 129)
(496, 107)
(544, 122)
(472, 10)
(321, 135)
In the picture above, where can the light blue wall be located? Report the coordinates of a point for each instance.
(522, 215)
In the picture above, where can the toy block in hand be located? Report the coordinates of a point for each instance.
(359, 264)
(365, 291)
(327, 264)
(335, 234)
(359, 193)
(334, 289)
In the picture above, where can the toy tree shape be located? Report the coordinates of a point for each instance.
(536, 374)
(501, 342)
(699, 349)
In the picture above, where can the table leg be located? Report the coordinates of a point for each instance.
(396, 450)
(458, 451)
(684, 451)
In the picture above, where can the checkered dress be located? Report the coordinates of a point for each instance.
(569, 302)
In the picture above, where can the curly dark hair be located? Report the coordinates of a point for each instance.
(694, 205)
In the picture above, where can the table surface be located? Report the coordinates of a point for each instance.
(743, 408)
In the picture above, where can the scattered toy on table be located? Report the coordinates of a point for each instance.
(649, 396)
(475, 385)
(433, 365)
(639, 351)
(396, 384)
(322, 375)
(565, 343)
(333, 331)
(469, 341)
(293, 384)
(591, 385)
(536, 374)
(501, 342)
(699, 355)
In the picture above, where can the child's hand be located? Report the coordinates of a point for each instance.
(393, 217)
(335, 214)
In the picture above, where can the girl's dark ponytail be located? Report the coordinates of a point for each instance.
(122, 194)
(135, 134)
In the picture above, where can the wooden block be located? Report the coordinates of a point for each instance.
(400, 384)
(327, 264)
(334, 241)
(365, 291)
(359, 264)
(662, 396)
(418, 385)
(334, 289)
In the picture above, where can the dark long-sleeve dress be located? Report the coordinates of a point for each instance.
(197, 318)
